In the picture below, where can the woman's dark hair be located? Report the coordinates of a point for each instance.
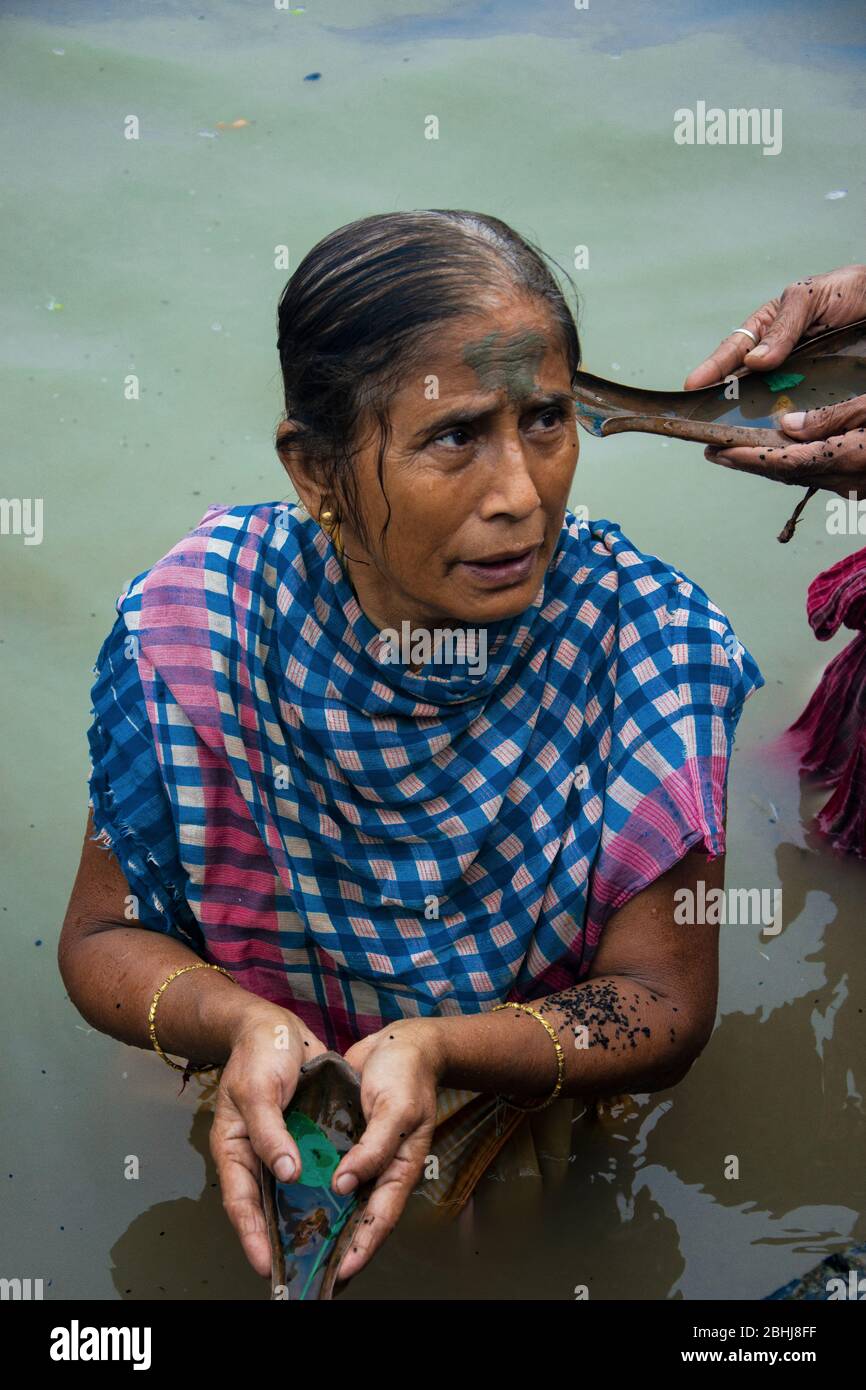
(360, 309)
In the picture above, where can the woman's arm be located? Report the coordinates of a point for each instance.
(644, 1013)
(113, 969)
(636, 1023)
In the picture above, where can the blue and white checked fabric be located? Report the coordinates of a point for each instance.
(360, 843)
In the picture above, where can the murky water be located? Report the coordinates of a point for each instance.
(156, 257)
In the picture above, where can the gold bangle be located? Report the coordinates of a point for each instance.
(151, 1016)
(560, 1057)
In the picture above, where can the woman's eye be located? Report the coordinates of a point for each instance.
(549, 419)
(459, 437)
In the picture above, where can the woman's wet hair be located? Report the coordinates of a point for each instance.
(361, 309)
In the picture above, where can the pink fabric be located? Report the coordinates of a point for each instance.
(831, 731)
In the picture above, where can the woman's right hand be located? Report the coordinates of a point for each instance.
(257, 1083)
(828, 443)
(803, 309)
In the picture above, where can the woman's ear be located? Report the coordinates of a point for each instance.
(289, 445)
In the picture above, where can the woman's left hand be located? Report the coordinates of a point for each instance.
(400, 1068)
(828, 445)
(832, 454)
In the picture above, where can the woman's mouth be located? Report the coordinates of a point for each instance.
(503, 569)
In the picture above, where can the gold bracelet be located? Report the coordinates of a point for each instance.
(560, 1057)
(189, 1070)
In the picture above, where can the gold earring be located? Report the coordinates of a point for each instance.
(329, 521)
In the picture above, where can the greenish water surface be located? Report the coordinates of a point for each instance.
(156, 257)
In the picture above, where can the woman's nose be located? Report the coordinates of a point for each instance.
(511, 486)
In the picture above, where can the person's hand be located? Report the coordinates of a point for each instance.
(804, 309)
(828, 444)
(256, 1085)
(400, 1068)
(835, 462)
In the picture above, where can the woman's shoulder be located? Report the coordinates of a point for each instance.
(652, 610)
(255, 544)
(601, 554)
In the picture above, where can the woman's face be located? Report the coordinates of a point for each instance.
(478, 469)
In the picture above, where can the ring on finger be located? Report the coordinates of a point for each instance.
(748, 332)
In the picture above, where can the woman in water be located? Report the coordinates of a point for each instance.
(420, 762)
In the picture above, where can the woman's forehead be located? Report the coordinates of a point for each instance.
(505, 361)
(493, 352)
(515, 321)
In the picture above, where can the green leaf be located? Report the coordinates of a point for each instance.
(319, 1158)
(783, 381)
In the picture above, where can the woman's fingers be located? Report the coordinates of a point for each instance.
(400, 1068)
(731, 352)
(783, 465)
(832, 453)
(384, 1210)
(804, 308)
(826, 420)
(795, 312)
(778, 325)
(263, 1117)
(238, 1172)
(256, 1085)
(397, 1155)
(260, 1080)
(837, 463)
(391, 1124)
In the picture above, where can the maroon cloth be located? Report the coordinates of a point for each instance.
(831, 731)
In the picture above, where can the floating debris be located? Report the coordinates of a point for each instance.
(790, 525)
(208, 135)
(233, 125)
(312, 77)
(768, 809)
(54, 306)
(837, 193)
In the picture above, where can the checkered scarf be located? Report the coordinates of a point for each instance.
(361, 843)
